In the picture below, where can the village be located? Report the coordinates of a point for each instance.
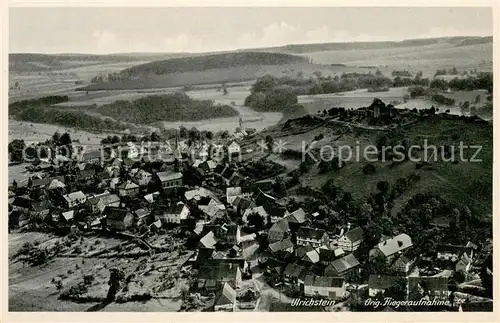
(240, 246)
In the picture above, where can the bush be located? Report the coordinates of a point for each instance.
(369, 169)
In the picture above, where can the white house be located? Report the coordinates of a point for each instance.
(233, 148)
(351, 240)
(128, 188)
(142, 178)
(176, 213)
(232, 193)
(329, 287)
(225, 300)
(74, 199)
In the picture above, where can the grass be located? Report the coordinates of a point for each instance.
(465, 183)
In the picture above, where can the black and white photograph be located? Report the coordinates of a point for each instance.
(250, 159)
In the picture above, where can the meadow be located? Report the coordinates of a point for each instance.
(419, 58)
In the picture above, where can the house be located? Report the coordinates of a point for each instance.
(142, 178)
(232, 234)
(232, 193)
(279, 230)
(434, 287)
(295, 274)
(128, 188)
(107, 200)
(281, 246)
(233, 148)
(393, 247)
(240, 204)
(225, 300)
(91, 157)
(351, 240)
(74, 199)
(312, 236)
(151, 197)
(379, 283)
(402, 264)
(452, 253)
(208, 240)
(329, 287)
(168, 179)
(197, 194)
(259, 210)
(118, 219)
(22, 203)
(310, 254)
(342, 267)
(328, 255)
(143, 216)
(93, 200)
(208, 166)
(295, 219)
(175, 213)
(210, 276)
(214, 210)
(266, 200)
(45, 182)
(40, 209)
(57, 184)
(66, 216)
(463, 264)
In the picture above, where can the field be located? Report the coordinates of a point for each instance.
(31, 288)
(425, 58)
(37, 84)
(349, 100)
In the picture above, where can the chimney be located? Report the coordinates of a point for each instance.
(400, 243)
(348, 226)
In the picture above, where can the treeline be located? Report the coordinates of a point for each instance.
(68, 118)
(40, 111)
(169, 107)
(207, 62)
(482, 81)
(18, 106)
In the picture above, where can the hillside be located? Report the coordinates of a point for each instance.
(34, 62)
(319, 47)
(461, 183)
(208, 62)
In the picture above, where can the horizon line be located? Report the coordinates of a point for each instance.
(250, 48)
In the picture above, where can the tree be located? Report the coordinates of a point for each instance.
(478, 99)
(209, 135)
(183, 132)
(16, 150)
(369, 169)
(269, 142)
(194, 135)
(256, 221)
(383, 186)
(224, 134)
(115, 279)
(66, 141)
(56, 137)
(155, 136)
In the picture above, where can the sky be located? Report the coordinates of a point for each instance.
(198, 29)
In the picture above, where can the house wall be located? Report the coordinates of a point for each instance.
(224, 308)
(347, 245)
(327, 292)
